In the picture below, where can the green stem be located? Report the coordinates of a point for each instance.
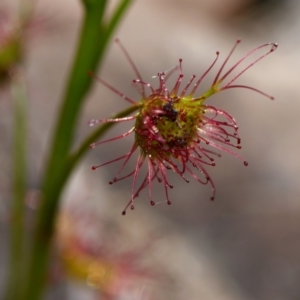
(86, 60)
(70, 165)
(78, 86)
(18, 186)
(92, 44)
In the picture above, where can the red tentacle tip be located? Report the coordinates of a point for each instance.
(94, 168)
(123, 212)
(246, 163)
(274, 46)
(212, 198)
(152, 203)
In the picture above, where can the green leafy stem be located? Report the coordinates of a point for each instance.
(94, 38)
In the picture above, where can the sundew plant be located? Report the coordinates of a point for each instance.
(173, 129)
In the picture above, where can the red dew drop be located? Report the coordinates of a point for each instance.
(152, 203)
(94, 167)
(169, 202)
(132, 207)
(245, 163)
(123, 212)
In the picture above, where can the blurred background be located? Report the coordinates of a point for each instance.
(245, 244)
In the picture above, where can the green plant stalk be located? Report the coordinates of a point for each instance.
(92, 44)
(19, 96)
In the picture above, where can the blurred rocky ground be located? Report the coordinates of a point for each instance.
(246, 244)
